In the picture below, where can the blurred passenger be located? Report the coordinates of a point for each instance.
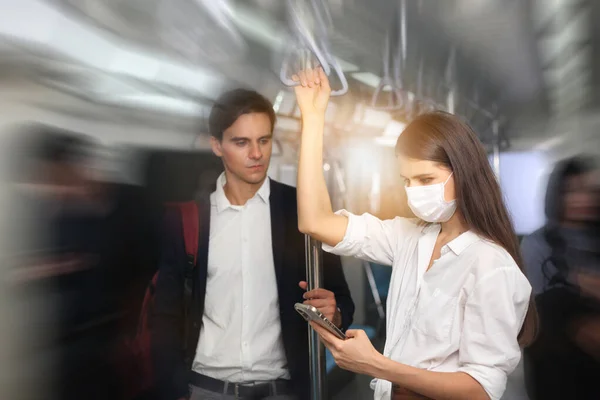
(247, 341)
(563, 265)
(83, 273)
(459, 309)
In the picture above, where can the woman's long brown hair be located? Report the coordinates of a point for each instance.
(445, 139)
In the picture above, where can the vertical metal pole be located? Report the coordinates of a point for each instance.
(451, 101)
(314, 278)
(449, 77)
(496, 147)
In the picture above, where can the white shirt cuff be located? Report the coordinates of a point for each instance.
(492, 380)
(355, 225)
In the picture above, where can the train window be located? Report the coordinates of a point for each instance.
(523, 177)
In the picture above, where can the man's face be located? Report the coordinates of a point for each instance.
(246, 147)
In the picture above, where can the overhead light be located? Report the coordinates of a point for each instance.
(390, 134)
(394, 129)
(278, 100)
(386, 141)
(370, 117)
(157, 102)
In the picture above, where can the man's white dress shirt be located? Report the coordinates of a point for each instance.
(240, 339)
(464, 314)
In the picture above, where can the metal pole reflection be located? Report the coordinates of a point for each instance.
(496, 147)
(314, 278)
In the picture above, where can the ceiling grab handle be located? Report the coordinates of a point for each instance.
(306, 43)
(324, 23)
(303, 57)
(342, 77)
(395, 96)
(424, 105)
(284, 71)
(308, 48)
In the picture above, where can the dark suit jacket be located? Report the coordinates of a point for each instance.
(172, 366)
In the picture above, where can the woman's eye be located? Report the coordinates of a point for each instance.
(426, 181)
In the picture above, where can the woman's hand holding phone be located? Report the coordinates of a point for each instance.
(355, 354)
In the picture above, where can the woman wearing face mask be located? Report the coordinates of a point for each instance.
(459, 305)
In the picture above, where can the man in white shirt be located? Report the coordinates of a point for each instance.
(250, 342)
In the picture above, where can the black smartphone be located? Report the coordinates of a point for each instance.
(310, 313)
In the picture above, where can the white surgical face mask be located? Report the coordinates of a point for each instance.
(428, 203)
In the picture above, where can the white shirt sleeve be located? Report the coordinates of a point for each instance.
(494, 314)
(369, 238)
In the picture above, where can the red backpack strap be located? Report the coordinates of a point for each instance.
(190, 224)
(190, 221)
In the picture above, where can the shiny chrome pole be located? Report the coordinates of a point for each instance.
(496, 147)
(314, 278)
(450, 79)
(451, 101)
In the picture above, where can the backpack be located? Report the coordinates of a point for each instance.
(138, 371)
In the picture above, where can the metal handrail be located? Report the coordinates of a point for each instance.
(314, 280)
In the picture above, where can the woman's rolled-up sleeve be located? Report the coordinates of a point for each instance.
(369, 238)
(494, 314)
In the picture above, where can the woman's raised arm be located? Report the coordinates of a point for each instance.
(315, 215)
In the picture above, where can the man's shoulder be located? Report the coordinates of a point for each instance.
(282, 189)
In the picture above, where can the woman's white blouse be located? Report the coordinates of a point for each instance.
(464, 314)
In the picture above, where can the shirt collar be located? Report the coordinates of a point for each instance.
(222, 202)
(463, 241)
(459, 244)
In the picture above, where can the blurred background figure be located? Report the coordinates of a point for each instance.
(563, 265)
(78, 268)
